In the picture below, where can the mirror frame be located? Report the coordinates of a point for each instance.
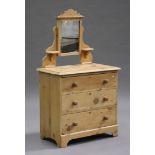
(69, 15)
(54, 50)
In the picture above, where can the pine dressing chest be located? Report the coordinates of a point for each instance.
(75, 100)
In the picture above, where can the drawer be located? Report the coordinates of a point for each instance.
(82, 101)
(89, 82)
(88, 120)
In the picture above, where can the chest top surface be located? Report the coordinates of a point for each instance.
(78, 69)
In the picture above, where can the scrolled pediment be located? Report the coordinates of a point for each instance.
(70, 13)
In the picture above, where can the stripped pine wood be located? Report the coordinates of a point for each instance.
(65, 112)
(66, 138)
(88, 120)
(55, 108)
(76, 100)
(89, 82)
(94, 111)
(78, 69)
(83, 101)
(44, 105)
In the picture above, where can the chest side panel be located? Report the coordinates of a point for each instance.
(55, 107)
(44, 84)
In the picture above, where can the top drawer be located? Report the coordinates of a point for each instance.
(89, 82)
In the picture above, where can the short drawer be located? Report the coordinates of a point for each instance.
(89, 82)
(88, 120)
(76, 102)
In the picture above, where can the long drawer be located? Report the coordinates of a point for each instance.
(88, 100)
(89, 82)
(88, 120)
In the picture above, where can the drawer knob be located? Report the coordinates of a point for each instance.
(96, 100)
(71, 126)
(68, 128)
(74, 84)
(74, 103)
(74, 124)
(105, 99)
(105, 118)
(105, 81)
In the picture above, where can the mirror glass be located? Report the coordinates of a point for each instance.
(70, 36)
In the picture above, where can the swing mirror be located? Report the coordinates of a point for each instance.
(68, 39)
(69, 36)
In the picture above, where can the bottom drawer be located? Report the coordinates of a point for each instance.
(88, 120)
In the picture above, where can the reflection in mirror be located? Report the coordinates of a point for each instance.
(70, 36)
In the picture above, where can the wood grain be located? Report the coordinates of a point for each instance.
(88, 120)
(76, 100)
(74, 70)
(44, 105)
(88, 100)
(66, 138)
(77, 105)
(89, 82)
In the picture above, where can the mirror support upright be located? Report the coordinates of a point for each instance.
(86, 55)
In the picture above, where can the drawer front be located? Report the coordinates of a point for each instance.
(88, 120)
(89, 82)
(76, 102)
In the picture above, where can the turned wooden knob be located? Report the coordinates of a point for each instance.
(74, 103)
(105, 118)
(74, 124)
(71, 126)
(68, 128)
(96, 100)
(105, 81)
(74, 84)
(104, 99)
